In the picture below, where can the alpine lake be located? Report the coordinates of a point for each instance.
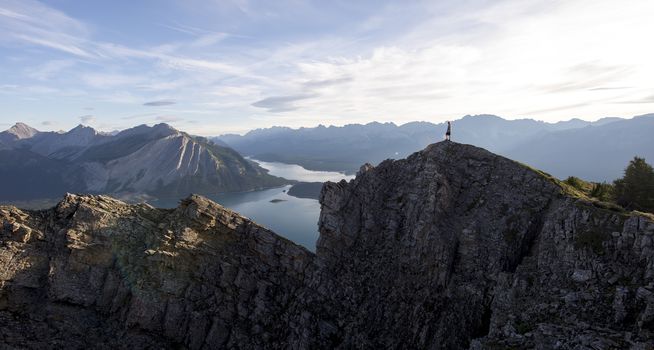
(293, 218)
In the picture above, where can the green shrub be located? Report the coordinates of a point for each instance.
(579, 184)
(602, 191)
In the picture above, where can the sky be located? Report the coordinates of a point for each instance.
(228, 66)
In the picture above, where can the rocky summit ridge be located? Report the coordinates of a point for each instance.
(451, 248)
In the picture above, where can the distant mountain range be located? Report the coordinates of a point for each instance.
(597, 151)
(162, 162)
(156, 161)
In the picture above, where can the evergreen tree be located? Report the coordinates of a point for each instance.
(636, 189)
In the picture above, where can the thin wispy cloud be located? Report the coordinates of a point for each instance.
(645, 100)
(109, 80)
(138, 116)
(31, 22)
(609, 88)
(313, 84)
(87, 119)
(168, 119)
(159, 103)
(557, 108)
(281, 103)
(207, 40)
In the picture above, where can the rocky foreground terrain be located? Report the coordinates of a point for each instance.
(451, 248)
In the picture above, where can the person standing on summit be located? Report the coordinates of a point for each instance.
(449, 131)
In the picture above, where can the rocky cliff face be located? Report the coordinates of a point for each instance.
(451, 248)
(455, 247)
(95, 272)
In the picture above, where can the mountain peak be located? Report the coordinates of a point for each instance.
(163, 126)
(22, 131)
(165, 129)
(82, 130)
(488, 244)
(156, 131)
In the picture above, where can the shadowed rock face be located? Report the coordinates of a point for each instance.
(451, 248)
(456, 247)
(94, 271)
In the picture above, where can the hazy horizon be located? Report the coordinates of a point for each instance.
(7, 126)
(212, 67)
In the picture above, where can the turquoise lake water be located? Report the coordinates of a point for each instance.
(290, 217)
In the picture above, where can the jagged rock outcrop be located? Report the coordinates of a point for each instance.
(95, 272)
(456, 247)
(451, 248)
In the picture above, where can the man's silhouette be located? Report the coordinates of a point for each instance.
(449, 131)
